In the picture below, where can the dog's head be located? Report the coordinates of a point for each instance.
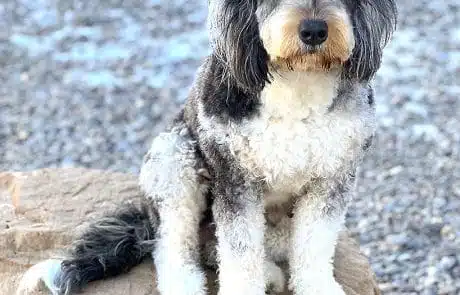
(253, 36)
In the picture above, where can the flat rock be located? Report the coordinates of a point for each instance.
(40, 212)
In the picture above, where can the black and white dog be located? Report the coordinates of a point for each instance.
(265, 148)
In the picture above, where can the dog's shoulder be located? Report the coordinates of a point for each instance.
(219, 96)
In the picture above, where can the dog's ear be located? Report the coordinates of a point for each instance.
(237, 44)
(373, 24)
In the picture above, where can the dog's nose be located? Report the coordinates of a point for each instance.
(313, 31)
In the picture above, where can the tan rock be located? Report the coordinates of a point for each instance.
(40, 211)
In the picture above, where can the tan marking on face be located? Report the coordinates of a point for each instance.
(340, 41)
(281, 40)
(280, 34)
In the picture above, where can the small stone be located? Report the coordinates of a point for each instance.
(433, 229)
(447, 262)
(448, 289)
(24, 77)
(439, 202)
(431, 276)
(23, 134)
(67, 162)
(448, 232)
(456, 189)
(398, 239)
(404, 257)
(395, 170)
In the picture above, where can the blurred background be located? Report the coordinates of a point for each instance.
(89, 83)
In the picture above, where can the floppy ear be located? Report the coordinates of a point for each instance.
(373, 24)
(236, 42)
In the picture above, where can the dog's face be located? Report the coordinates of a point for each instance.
(305, 34)
(254, 36)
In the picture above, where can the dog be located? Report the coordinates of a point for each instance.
(263, 155)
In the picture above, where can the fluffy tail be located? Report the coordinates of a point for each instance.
(110, 246)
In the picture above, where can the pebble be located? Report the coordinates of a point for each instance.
(447, 262)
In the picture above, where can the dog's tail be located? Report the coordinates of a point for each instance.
(110, 246)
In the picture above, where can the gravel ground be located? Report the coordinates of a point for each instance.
(91, 84)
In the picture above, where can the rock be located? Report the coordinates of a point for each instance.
(40, 211)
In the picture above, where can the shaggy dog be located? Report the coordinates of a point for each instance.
(265, 149)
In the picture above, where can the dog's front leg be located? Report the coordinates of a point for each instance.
(318, 218)
(170, 181)
(239, 216)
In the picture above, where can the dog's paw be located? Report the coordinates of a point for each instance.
(317, 287)
(274, 280)
(185, 280)
(333, 288)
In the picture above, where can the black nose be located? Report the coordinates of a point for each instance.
(313, 32)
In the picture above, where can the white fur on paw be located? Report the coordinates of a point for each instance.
(274, 280)
(39, 277)
(187, 280)
(318, 287)
(333, 288)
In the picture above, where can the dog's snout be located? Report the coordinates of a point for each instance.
(313, 31)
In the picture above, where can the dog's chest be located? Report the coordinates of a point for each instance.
(295, 138)
(286, 151)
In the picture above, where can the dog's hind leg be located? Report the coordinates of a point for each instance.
(170, 181)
